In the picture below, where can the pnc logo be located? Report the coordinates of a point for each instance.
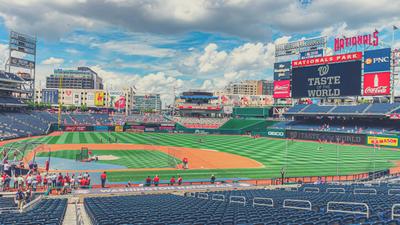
(370, 61)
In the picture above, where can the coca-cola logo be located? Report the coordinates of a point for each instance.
(376, 90)
(282, 87)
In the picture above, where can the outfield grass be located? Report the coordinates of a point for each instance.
(131, 159)
(301, 158)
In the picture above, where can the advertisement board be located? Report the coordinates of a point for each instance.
(383, 141)
(332, 137)
(23, 63)
(75, 128)
(276, 133)
(377, 60)
(100, 128)
(282, 70)
(312, 54)
(50, 96)
(281, 89)
(376, 84)
(358, 40)
(293, 48)
(119, 128)
(99, 98)
(116, 100)
(327, 59)
(331, 80)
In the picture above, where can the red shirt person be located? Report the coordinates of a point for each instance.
(172, 181)
(103, 178)
(180, 180)
(156, 180)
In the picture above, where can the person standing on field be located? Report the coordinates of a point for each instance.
(103, 177)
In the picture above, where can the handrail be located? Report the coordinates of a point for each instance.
(311, 189)
(191, 194)
(392, 191)
(364, 189)
(202, 195)
(328, 209)
(296, 207)
(263, 204)
(394, 214)
(214, 197)
(332, 190)
(240, 199)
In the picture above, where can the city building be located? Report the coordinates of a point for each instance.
(81, 78)
(147, 103)
(265, 87)
(246, 87)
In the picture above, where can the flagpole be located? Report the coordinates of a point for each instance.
(392, 82)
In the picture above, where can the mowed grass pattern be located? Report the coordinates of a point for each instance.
(131, 159)
(300, 159)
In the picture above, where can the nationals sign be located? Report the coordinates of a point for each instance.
(327, 59)
(376, 84)
(330, 80)
(282, 89)
(346, 42)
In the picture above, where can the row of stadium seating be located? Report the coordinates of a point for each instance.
(9, 76)
(22, 124)
(47, 211)
(200, 123)
(362, 109)
(237, 207)
(10, 101)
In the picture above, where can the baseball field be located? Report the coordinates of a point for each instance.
(143, 154)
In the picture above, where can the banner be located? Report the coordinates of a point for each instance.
(327, 59)
(90, 97)
(376, 84)
(282, 89)
(77, 98)
(75, 128)
(383, 141)
(377, 60)
(50, 96)
(282, 70)
(331, 80)
(100, 128)
(293, 48)
(99, 98)
(68, 97)
(331, 137)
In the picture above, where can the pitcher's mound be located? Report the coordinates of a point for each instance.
(107, 157)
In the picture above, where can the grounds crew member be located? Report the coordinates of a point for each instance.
(103, 178)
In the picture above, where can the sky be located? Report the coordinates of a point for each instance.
(162, 45)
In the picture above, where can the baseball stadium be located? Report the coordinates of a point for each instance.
(304, 129)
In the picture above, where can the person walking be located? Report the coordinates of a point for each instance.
(20, 197)
(103, 178)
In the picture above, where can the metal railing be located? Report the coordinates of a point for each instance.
(261, 203)
(361, 191)
(336, 190)
(328, 209)
(393, 190)
(393, 211)
(202, 195)
(285, 205)
(311, 189)
(218, 197)
(237, 199)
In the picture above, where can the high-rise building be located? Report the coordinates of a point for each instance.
(147, 103)
(265, 87)
(81, 78)
(246, 87)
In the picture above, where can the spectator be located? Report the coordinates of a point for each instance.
(212, 179)
(19, 197)
(172, 181)
(28, 196)
(148, 181)
(156, 180)
(20, 181)
(179, 180)
(7, 167)
(103, 178)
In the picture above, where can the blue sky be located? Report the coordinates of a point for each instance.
(199, 44)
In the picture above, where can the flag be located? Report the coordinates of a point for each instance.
(395, 28)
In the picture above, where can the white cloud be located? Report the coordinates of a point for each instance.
(132, 48)
(53, 61)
